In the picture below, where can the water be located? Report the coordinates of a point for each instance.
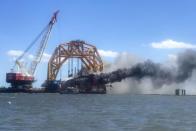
(55, 112)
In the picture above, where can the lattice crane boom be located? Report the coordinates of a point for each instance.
(24, 77)
(37, 58)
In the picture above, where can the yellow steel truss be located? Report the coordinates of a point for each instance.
(74, 49)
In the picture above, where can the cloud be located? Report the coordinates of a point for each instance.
(45, 57)
(30, 57)
(15, 52)
(171, 44)
(108, 53)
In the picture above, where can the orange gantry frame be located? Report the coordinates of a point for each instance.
(74, 49)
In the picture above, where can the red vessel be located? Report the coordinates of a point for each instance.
(18, 80)
(26, 77)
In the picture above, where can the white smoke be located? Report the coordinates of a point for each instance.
(123, 60)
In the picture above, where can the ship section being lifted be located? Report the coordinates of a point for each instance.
(89, 56)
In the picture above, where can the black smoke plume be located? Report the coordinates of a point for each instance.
(186, 64)
(160, 75)
(157, 73)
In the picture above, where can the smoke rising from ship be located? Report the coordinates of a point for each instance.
(141, 75)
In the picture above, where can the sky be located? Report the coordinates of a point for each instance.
(150, 29)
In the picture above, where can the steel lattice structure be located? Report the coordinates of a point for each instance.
(74, 49)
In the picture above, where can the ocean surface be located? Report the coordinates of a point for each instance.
(109, 112)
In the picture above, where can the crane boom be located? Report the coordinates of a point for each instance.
(37, 58)
(25, 77)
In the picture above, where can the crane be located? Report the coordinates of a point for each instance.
(25, 77)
